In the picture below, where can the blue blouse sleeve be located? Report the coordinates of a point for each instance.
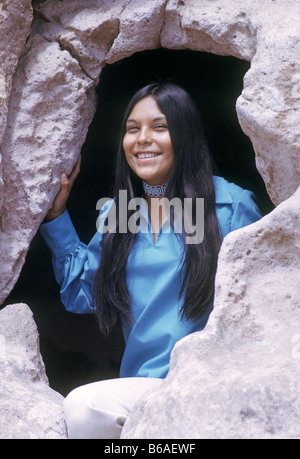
(74, 263)
(245, 211)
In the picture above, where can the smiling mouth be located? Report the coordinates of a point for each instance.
(147, 155)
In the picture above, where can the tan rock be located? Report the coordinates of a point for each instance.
(50, 110)
(86, 29)
(269, 107)
(239, 377)
(30, 409)
(15, 21)
(47, 101)
(140, 27)
(44, 137)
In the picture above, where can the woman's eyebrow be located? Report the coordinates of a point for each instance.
(157, 118)
(160, 118)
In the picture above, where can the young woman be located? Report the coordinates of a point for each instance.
(159, 286)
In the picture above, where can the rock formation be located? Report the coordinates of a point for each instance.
(50, 99)
(29, 408)
(52, 55)
(239, 377)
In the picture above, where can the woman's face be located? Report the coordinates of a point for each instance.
(147, 142)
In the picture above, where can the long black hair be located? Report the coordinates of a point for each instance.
(191, 177)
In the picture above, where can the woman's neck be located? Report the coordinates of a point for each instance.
(154, 191)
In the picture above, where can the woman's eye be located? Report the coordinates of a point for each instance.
(131, 128)
(160, 126)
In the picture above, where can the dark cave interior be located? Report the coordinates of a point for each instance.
(72, 348)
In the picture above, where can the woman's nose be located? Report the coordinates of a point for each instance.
(144, 136)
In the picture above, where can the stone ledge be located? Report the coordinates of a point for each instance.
(29, 408)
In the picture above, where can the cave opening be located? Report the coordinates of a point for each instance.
(72, 348)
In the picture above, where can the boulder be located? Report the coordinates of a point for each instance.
(239, 377)
(30, 409)
(15, 21)
(267, 35)
(50, 97)
(50, 67)
(50, 111)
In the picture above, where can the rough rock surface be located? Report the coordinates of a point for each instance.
(267, 34)
(240, 377)
(48, 76)
(69, 44)
(29, 408)
(15, 21)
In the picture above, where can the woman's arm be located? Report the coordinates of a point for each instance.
(74, 263)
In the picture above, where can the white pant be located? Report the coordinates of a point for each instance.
(100, 409)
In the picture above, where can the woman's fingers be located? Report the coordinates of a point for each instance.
(66, 183)
(60, 202)
(64, 191)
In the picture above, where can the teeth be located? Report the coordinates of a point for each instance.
(147, 155)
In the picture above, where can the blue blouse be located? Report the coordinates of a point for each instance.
(152, 277)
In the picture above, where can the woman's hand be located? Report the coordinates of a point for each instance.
(60, 202)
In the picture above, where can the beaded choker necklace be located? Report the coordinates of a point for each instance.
(154, 191)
